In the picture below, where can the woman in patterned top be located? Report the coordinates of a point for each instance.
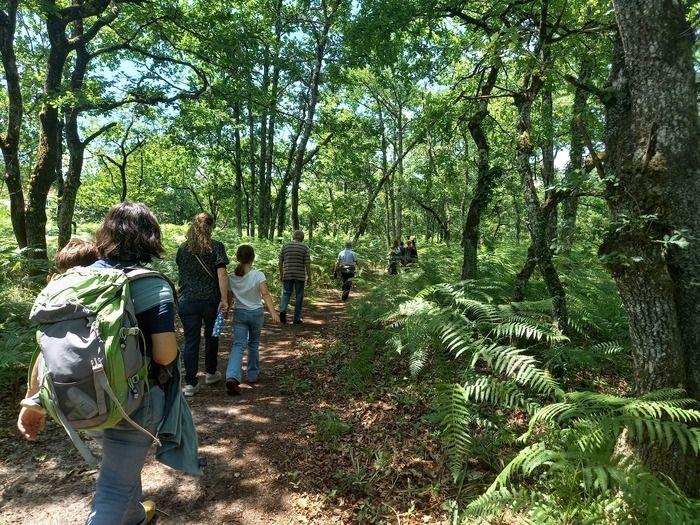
(203, 281)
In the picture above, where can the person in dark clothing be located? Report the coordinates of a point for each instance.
(346, 263)
(201, 263)
(393, 256)
(411, 252)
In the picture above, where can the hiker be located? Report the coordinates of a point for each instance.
(201, 263)
(394, 255)
(294, 266)
(249, 288)
(411, 252)
(129, 236)
(345, 263)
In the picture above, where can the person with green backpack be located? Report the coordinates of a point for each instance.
(115, 291)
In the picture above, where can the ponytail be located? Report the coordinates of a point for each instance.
(244, 255)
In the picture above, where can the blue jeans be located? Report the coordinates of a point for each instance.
(298, 285)
(117, 498)
(247, 325)
(192, 313)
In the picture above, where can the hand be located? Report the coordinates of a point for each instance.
(30, 423)
(223, 306)
(275, 317)
(308, 282)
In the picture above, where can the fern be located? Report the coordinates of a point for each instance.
(455, 415)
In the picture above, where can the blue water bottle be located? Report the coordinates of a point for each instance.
(218, 324)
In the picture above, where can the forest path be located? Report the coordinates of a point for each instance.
(248, 441)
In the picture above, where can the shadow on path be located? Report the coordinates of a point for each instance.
(246, 440)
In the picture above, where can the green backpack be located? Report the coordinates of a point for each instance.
(93, 370)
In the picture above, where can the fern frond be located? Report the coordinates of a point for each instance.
(453, 409)
(489, 389)
(417, 360)
(514, 363)
(608, 348)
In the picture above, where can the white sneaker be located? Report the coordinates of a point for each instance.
(210, 379)
(190, 390)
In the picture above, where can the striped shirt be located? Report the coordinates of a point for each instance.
(294, 257)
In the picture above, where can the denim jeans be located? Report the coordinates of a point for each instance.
(117, 498)
(298, 285)
(192, 313)
(247, 325)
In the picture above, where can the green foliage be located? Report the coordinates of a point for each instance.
(17, 337)
(509, 368)
(329, 427)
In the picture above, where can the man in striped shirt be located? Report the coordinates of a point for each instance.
(295, 268)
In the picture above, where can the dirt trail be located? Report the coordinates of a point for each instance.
(247, 441)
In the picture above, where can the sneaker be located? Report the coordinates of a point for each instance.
(283, 317)
(149, 507)
(232, 387)
(214, 378)
(298, 321)
(190, 390)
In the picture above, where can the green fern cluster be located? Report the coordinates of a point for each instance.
(578, 475)
(504, 356)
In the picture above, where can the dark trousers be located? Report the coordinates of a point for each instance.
(192, 315)
(347, 283)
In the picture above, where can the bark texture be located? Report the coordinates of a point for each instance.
(653, 193)
(9, 143)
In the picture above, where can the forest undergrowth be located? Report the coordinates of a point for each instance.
(445, 399)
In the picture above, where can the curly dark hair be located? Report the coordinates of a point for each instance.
(129, 232)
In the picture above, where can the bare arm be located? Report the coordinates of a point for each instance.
(267, 298)
(308, 273)
(31, 421)
(164, 347)
(222, 275)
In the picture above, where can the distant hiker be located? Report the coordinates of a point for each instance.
(128, 236)
(402, 253)
(249, 287)
(294, 267)
(201, 263)
(394, 255)
(345, 264)
(411, 252)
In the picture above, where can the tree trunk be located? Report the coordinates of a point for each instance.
(238, 167)
(76, 149)
(252, 166)
(567, 229)
(44, 171)
(314, 84)
(263, 199)
(398, 182)
(10, 142)
(653, 195)
(484, 184)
